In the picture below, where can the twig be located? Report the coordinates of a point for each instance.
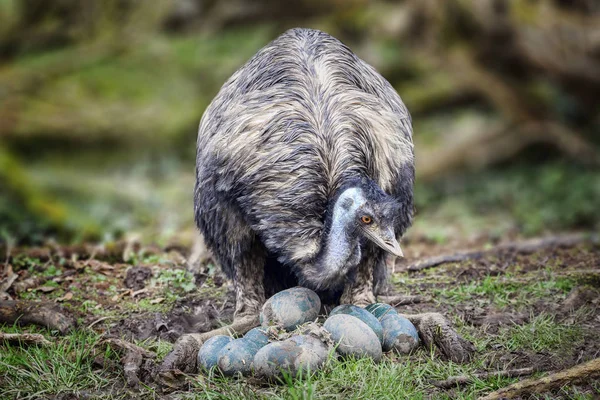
(9, 247)
(132, 361)
(125, 346)
(401, 300)
(28, 312)
(98, 320)
(27, 338)
(444, 259)
(524, 247)
(572, 375)
(9, 278)
(464, 379)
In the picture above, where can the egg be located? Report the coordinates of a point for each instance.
(207, 356)
(399, 334)
(258, 336)
(237, 356)
(298, 354)
(362, 314)
(380, 309)
(353, 337)
(290, 308)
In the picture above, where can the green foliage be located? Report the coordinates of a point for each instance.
(536, 198)
(176, 279)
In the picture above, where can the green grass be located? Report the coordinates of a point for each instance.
(63, 367)
(506, 291)
(398, 378)
(542, 333)
(66, 367)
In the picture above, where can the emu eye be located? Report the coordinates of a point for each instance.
(366, 219)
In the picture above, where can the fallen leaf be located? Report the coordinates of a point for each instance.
(144, 290)
(124, 292)
(68, 296)
(46, 289)
(7, 282)
(157, 300)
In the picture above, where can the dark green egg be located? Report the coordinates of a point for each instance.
(380, 309)
(298, 353)
(237, 356)
(290, 308)
(258, 336)
(362, 314)
(208, 354)
(399, 334)
(353, 337)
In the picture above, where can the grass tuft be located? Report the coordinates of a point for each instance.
(66, 366)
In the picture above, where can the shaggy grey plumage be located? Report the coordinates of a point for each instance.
(300, 123)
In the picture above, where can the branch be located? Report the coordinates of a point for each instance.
(26, 338)
(464, 379)
(132, 361)
(523, 247)
(402, 300)
(27, 312)
(572, 375)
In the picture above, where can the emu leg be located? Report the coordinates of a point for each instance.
(435, 330)
(360, 291)
(250, 296)
(249, 286)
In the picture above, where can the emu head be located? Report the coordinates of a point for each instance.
(364, 211)
(359, 212)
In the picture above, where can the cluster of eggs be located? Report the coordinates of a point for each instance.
(354, 331)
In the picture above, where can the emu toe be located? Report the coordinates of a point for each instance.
(435, 330)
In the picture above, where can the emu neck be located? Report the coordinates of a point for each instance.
(338, 244)
(340, 248)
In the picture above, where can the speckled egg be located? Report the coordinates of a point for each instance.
(207, 356)
(237, 356)
(380, 309)
(399, 334)
(258, 336)
(353, 336)
(361, 314)
(290, 308)
(298, 353)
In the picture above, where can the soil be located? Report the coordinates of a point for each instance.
(127, 300)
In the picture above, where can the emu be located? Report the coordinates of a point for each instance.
(304, 174)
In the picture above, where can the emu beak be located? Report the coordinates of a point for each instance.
(384, 239)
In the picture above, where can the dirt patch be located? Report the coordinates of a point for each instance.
(136, 277)
(188, 316)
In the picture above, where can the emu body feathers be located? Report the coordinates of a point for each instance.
(296, 123)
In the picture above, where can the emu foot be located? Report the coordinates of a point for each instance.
(182, 359)
(435, 330)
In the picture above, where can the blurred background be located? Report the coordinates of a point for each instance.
(100, 102)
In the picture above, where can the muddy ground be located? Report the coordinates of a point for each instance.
(537, 309)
